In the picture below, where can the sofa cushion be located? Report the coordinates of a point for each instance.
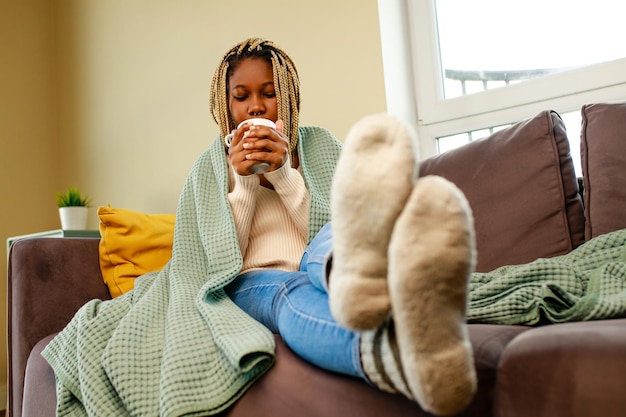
(293, 387)
(286, 389)
(132, 244)
(521, 185)
(603, 154)
(39, 386)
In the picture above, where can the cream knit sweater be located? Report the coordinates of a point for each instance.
(271, 225)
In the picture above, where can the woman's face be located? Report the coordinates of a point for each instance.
(251, 91)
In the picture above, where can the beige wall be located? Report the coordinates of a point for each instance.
(112, 95)
(30, 167)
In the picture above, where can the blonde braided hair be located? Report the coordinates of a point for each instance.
(286, 85)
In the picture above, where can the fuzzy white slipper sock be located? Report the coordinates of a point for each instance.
(431, 255)
(373, 179)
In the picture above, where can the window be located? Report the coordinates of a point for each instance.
(484, 44)
(458, 66)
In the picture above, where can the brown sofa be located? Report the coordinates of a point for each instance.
(527, 204)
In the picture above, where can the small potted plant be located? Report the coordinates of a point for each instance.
(73, 209)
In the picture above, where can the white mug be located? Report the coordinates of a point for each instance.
(255, 121)
(261, 167)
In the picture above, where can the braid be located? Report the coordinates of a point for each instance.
(286, 85)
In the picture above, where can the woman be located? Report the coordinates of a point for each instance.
(255, 254)
(289, 294)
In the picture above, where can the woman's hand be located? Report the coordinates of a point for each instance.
(252, 144)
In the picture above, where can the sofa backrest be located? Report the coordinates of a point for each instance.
(523, 190)
(603, 159)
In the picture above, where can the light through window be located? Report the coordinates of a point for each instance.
(485, 44)
(458, 70)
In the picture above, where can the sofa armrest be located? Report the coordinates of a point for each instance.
(568, 369)
(49, 279)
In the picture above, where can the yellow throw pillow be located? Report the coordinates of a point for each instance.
(132, 244)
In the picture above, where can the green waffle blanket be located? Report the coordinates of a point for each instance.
(177, 345)
(588, 283)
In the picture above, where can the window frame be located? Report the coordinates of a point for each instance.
(414, 84)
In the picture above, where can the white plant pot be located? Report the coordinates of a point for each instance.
(73, 218)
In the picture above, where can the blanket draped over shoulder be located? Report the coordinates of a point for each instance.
(177, 345)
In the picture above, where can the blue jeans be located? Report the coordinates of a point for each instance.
(295, 306)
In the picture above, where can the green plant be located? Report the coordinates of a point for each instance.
(72, 198)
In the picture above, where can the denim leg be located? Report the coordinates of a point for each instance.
(255, 292)
(317, 256)
(290, 305)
